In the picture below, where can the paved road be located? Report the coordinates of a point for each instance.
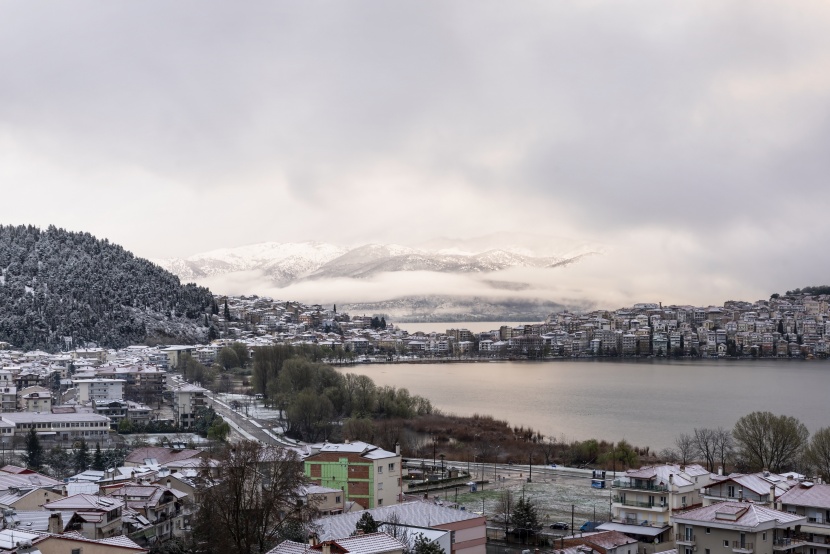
(247, 427)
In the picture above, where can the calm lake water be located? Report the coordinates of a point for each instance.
(648, 403)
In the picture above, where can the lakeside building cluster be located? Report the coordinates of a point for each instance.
(792, 326)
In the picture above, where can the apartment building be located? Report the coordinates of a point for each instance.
(99, 390)
(813, 502)
(644, 499)
(734, 528)
(365, 473)
(187, 399)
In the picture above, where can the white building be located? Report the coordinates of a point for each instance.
(99, 390)
(187, 399)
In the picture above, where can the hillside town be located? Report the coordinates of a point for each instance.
(792, 326)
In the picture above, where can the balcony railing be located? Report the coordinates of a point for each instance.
(636, 504)
(647, 486)
(785, 543)
(682, 538)
(743, 547)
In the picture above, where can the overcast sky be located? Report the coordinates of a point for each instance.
(690, 138)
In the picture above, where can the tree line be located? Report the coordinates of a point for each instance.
(758, 441)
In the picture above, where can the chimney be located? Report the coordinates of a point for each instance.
(327, 547)
(772, 496)
(55, 524)
(397, 449)
(720, 470)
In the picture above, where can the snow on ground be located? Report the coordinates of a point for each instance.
(552, 495)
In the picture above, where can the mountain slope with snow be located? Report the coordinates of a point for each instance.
(287, 263)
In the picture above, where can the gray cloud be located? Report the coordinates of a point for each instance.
(690, 138)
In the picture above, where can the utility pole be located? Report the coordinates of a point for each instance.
(529, 467)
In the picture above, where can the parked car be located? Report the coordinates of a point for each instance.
(590, 526)
(560, 525)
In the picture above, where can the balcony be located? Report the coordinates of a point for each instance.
(684, 539)
(636, 504)
(646, 486)
(787, 543)
(743, 547)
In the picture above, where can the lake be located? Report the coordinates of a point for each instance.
(646, 402)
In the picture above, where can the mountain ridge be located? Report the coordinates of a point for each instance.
(288, 263)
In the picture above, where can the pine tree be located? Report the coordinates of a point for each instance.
(227, 311)
(98, 458)
(525, 518)
(81, 458)
(34, 451)
(366, 524)
(425, 546)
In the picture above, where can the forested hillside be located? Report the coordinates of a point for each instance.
(60, 289)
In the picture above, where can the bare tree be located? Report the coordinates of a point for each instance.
(766, 440)
(724, 446)
(686, 448)
(818, 452)
(255, 501)
(705, 444)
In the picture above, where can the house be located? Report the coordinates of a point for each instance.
(326, 501)
(812, 501)
(603, 542)
(733, 528)
(365, 473)
(160, 456)
(27, 498)
(372, 543)
(468, 532)
(763, 487)
(644, 499)
(34, 399)
(160, 510)
(95, 517)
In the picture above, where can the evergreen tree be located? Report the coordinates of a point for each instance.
(81, 458)
(383, 323)
(525, 518)
(425, 546)
(34, 451)
(366, 524)
(59, 461)
(98, 458)
(227, 311)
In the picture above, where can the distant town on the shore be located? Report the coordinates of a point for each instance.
(792, 325)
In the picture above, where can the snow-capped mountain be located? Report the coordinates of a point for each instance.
(287, 263)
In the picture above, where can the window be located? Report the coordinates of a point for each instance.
(730, 491)
(337, 499)
(380, 501)
(380, 469)
(726, 544)
(380, 485)
(708, 551)
(763, 537)
(708, 530)
(391, 467)
(682, 500)
(76, 551)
